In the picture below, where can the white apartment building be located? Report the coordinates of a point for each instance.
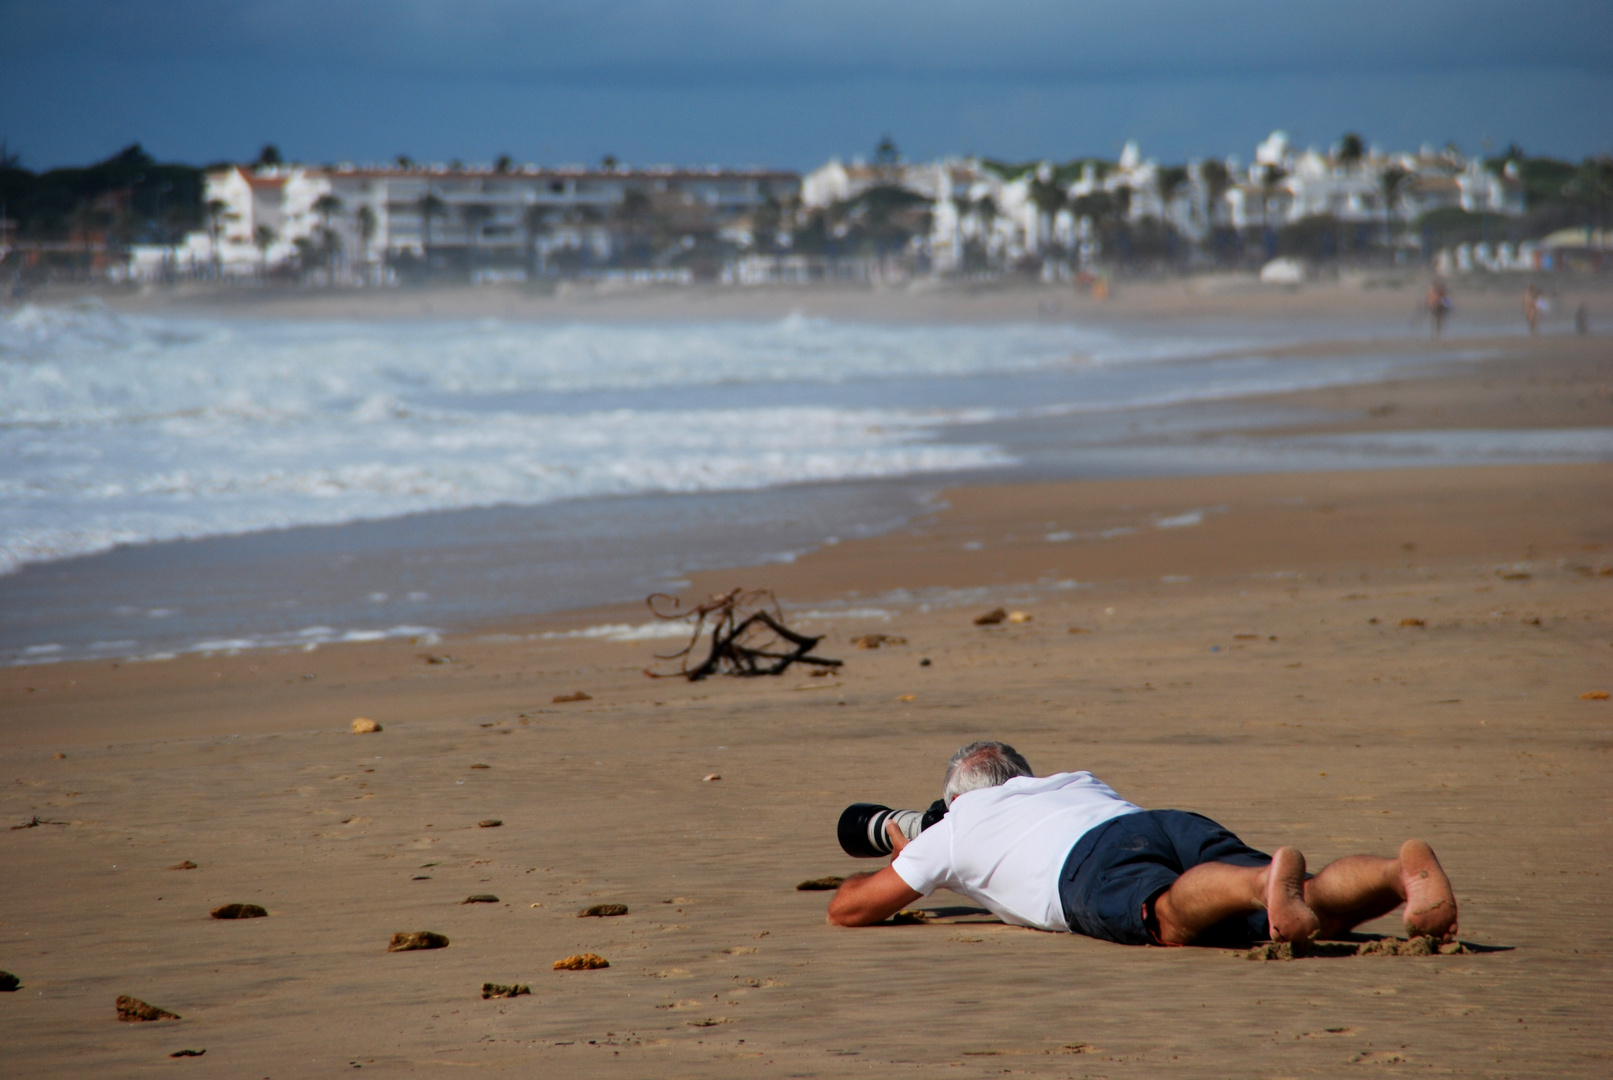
(372, 217)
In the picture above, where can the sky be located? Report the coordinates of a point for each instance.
(790, 83)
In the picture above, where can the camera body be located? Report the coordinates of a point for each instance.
(862, 832)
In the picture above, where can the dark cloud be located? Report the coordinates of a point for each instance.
(744, 40)
(364, 78)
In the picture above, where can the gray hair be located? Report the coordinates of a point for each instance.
(982, 765)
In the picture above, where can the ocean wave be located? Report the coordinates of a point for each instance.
(207, 476)
(119, 429)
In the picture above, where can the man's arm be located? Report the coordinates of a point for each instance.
(866, 899)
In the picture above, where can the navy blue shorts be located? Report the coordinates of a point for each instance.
(1114, 873)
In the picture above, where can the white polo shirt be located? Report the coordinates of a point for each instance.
(1004, 846)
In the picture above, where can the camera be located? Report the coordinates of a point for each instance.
(862, 826)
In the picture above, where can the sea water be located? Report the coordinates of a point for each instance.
(750, 439)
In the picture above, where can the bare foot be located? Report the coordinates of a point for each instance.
(1430, 901)
(1289, 916)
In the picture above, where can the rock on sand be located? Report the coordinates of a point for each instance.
(133, 1010)
(238, 911)
(582, 962)
(410, 940)
(499, 990)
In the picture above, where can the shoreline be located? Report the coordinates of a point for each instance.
(1037, 543)
(1393, 297)
(1530, 387)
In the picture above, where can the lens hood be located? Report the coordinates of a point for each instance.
(853, 830)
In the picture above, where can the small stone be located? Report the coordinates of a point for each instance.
(59, 756)
(991, 618)
(874, 641)
(186, 865)
(480, 898)
(188, 1053)
(489, 823)
(561, 699)
(711, 776)
(8, 982)
(133, 1010)
(365, 726)
(924, 662)
(582, 962)
(480, 766)
(1020, 617)
(1594, 695)
(1413, 622)
(499, 990)
(410, 940)
(602, 911)
(820, 884)
(238, 911)
(907, 697)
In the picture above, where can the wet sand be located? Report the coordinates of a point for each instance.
(1336, 661)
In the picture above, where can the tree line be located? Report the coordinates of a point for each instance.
(129, 198)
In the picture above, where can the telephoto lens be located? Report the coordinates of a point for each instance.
(862, 827)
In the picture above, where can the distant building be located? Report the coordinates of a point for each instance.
(358, 223)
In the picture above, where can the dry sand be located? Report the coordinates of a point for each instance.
(1391, 298)
(1334, 661)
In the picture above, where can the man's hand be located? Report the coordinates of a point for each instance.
(898, 838)
(866, 899)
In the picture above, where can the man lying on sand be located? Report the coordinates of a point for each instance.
(1064, 852)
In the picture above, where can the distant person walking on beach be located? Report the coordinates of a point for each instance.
(1533, 305)
(1066, 853)
(1438, 303)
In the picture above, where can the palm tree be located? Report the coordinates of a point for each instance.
(1171, 179)
(1351, 149)
(263, 240)
(532, 222)
(430, 207)
(218, 211)
(1048, 196)
(1216, 180)
(475, 216)
(1592, 185)
(366, 232)
(1390, 180)
(326, 206)
(1270, 177)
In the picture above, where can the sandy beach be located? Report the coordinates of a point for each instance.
(1333, 660)
(1394, 296)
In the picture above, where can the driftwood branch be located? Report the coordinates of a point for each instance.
(748, 636)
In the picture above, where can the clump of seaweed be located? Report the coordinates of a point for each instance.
(748, 636)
